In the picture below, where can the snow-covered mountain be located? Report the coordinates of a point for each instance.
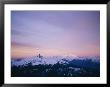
(50, 60)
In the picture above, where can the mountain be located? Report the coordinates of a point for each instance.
(35, 60)
(56, 66)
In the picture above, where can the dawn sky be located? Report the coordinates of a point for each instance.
(55, 33)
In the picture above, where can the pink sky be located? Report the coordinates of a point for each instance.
(55, 33)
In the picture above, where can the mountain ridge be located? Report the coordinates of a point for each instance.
(35, 60)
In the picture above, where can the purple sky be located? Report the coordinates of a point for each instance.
(55, 33)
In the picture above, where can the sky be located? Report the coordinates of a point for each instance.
(53, 33)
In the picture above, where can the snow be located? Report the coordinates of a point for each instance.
(49, 60)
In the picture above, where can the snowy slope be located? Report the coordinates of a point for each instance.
(49, 60)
